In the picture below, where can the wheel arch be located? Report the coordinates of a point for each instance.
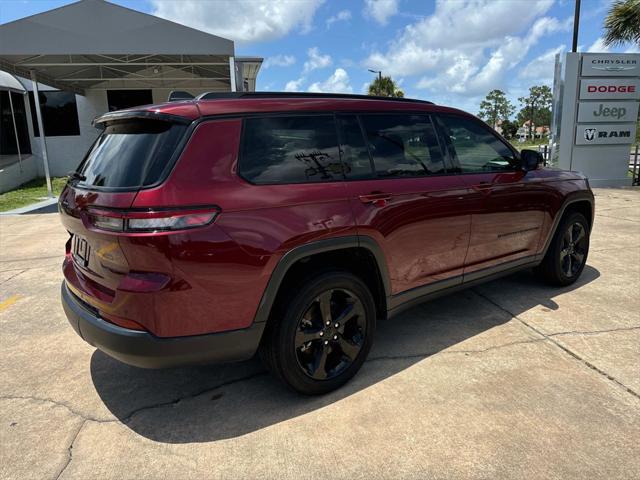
(582, 202)
(338, 252)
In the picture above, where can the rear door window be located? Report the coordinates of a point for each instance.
(290, 149)
(403, 145)
(131, 154)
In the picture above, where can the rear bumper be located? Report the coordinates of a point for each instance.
(145, 350)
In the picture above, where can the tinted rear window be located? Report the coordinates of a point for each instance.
(296, 149)
(131, 154)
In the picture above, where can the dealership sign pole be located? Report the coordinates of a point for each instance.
(595, 114)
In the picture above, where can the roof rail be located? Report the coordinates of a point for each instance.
(220, 95)
(232, 95)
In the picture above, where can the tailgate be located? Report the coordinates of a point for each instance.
(96, 256)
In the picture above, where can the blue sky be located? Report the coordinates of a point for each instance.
(451, 52)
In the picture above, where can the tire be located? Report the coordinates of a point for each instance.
(305, 353)
(567, 253)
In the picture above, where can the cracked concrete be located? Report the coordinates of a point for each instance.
(511, 378)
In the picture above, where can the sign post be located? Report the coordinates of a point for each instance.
(595, 114)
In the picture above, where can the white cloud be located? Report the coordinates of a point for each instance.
(241, 20)
(457, 50)
(336, 83)
(380, 10)
(633, 49)
(294, 85)
(316, 60)
(598, 46)
(341, 16)
(542, 67)
(279, 61)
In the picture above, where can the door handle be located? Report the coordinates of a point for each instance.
(483, 187)
(377, 199)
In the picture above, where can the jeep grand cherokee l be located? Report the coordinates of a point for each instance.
(210, 229)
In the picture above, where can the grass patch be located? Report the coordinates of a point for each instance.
(30, 192)
(531, 145)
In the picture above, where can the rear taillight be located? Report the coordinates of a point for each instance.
(174, 222)
(104, 222)
(133, 221)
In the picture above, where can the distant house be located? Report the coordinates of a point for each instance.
(499, 127)
(537, 131)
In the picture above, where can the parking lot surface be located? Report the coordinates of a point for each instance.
(510, 379)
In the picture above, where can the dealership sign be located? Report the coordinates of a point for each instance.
(605, 111)
(609, 88)
(605, 134)
(595, 111)
(610, 65)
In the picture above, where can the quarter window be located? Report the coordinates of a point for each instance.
(403, 145)
(475, 147)
(296, 149)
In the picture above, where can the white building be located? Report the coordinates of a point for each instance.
(91, 57)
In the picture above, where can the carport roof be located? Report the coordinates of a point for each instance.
(96, 44)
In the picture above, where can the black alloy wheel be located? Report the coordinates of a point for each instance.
(566, 256)
(320, 331)
(573, 250)
(330, 334)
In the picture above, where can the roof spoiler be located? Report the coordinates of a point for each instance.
(176, 95)
(123, 115)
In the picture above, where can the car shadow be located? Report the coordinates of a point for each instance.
(203, 404)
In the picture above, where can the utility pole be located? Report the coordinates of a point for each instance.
(576, 26)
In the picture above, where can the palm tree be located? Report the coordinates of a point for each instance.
(622, 24)
(385, 87)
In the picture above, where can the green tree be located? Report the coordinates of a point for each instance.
(622, 23)
(509, 128)
(385, 87)
(541, 116)
(536, 107)
(495, 107)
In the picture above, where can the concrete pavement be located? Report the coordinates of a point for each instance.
(507, 380)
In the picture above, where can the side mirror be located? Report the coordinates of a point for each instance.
(530, 160)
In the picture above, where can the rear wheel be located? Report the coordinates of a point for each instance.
(320, 335)
(567, 254)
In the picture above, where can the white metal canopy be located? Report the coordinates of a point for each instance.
(96, 44)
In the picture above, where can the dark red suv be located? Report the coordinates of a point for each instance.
(210, 229)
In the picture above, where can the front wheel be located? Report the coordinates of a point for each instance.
(567, 254)
(321, 334)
